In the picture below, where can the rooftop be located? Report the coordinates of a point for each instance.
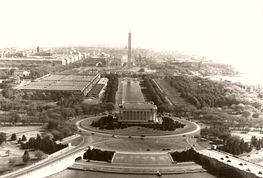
(61, 83)
(138, 105)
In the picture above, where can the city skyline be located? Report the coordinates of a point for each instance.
(224, 31)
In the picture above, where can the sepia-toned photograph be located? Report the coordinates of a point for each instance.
(131, 88)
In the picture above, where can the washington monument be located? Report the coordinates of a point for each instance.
(129, 51)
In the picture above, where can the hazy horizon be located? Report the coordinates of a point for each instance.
(221, 30)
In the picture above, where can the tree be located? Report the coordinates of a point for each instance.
(52, 124)
(233, 145)
(26, 157)
(13, 137)
(24, 138)
(255, 115)
(38, 140)
(14, 117)
(39, 154)
(258, 147)
(242, 145)
(254, 141)
(32, 142)
(247, 148)
(246, 114)
(19, 141)
(43, 118)
(2, 137)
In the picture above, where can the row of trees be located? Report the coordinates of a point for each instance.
(98, 155)
(110, 123)
(152, 93)
(216, 131)
(170, 124)
(45, 144)
(61, 96)
(257, 143)
(184, 156)
(201, 92)
(236, 146)
(60, 130)
(111, 89)
(28, 112)
(105, 122)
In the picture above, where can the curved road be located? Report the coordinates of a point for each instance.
(78, 123)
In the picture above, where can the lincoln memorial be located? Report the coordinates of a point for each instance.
(134, 109)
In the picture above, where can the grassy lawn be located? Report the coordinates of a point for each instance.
(28, 131)
(171, 92)
(246, 135)
(118, 97)
(15, 153)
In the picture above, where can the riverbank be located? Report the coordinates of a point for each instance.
(242, 78)
(179, 168)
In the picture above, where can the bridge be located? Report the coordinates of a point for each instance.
(218, 159)
(55, 163)
(223, 160)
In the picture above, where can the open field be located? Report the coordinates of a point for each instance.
(142, 158)
(246, 135)
(10, 150)
(171, 92)
(28, 131)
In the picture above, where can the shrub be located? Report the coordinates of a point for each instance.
(255, 115)
(246, 114)
(39, 154)
(13, 137)
(26, 157)
(24, 138)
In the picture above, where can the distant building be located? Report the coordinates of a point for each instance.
(37, 49)
(84, 55)
(66, 83)
(21, 73)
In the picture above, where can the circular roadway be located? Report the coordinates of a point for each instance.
(190, 128)
(135, 153)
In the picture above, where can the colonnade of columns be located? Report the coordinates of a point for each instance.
(137, 115)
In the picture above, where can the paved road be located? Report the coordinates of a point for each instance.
(85, 130)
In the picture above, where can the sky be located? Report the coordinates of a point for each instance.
(222, 30)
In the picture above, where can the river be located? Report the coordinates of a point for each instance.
(242, 78)
(68, 173)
